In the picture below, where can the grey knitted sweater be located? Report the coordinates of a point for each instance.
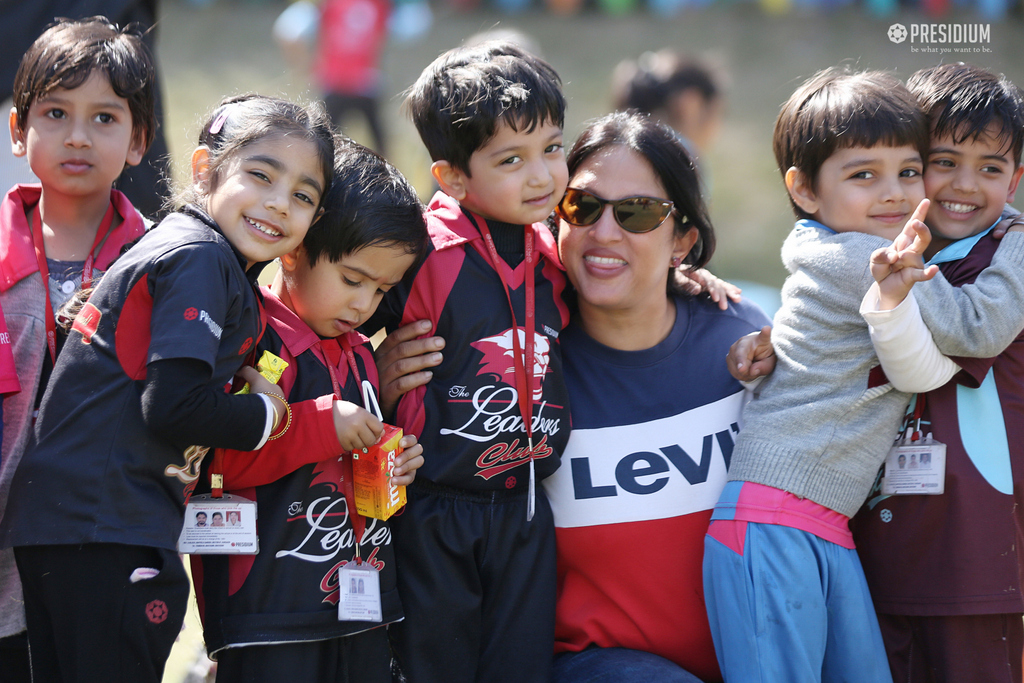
(822, 423)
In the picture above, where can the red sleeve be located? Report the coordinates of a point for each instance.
(310, 438)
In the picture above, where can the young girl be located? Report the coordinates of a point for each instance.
(275, 616)
(97, 504)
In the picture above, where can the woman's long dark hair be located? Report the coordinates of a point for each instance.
(661, 147)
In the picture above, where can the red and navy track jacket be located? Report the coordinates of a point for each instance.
(467, 417)
(96, 473)
(289, 591)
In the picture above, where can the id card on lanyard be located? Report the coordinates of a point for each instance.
(223, 525)
(358, 581)
(916, 464)
(44, 270)
(522, 353)
(218, 523)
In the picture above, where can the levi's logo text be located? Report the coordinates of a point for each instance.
(647, 470)
(86, 322)
(487, 412)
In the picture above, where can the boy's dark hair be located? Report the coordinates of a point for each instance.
(244, 119)
(460, 99)
(68, 52)
(660, 147)
(838, 109)
(649, 83)
(370, 203)
(962, 101)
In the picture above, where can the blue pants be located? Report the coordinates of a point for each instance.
(792, 607)
(617, 665)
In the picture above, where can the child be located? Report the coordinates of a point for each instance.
(81, 118)
(478, 579)
(850, 149)
(274, 616)
(962, 620)
(99, 499)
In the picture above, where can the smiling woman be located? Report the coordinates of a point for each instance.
(654, 411)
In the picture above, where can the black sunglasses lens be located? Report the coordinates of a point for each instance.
(580, 208)
(641, 214)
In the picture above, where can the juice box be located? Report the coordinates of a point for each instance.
(372, 468)
(270, 366)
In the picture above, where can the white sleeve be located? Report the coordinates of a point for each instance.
(905, 348)
(269, 425)
(753, 384)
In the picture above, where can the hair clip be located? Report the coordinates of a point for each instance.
(218, 122)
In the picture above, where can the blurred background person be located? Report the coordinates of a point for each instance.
(340, 42)
(680, 91)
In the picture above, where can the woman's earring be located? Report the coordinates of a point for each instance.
(675, 261)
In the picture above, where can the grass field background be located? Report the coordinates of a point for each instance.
(226, 47)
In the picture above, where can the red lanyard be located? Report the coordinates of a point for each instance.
(919, 401)
(358, 521)
(522, 362)
(44, 269)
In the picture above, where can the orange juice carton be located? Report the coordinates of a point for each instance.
(372, 470)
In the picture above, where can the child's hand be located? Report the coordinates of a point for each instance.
(701, 280)
(355, 426)
(408, 461)
(403, 361)
(258, 384)
(1015, 223)
(752, 356)
(899, 266)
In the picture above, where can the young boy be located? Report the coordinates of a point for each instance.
(960, 617)
(786, 595)
(476, 544)
(274, 616)
(80, 116)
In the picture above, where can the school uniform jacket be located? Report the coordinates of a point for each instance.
(23, 297)
(467, 417)
(956, 553)
(289, 591)
(96, 473)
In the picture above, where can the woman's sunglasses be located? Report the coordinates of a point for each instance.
(633, 214)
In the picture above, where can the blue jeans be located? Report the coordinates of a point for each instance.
(617, 665)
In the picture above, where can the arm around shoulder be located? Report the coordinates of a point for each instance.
(978, 320)
(905, 348)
